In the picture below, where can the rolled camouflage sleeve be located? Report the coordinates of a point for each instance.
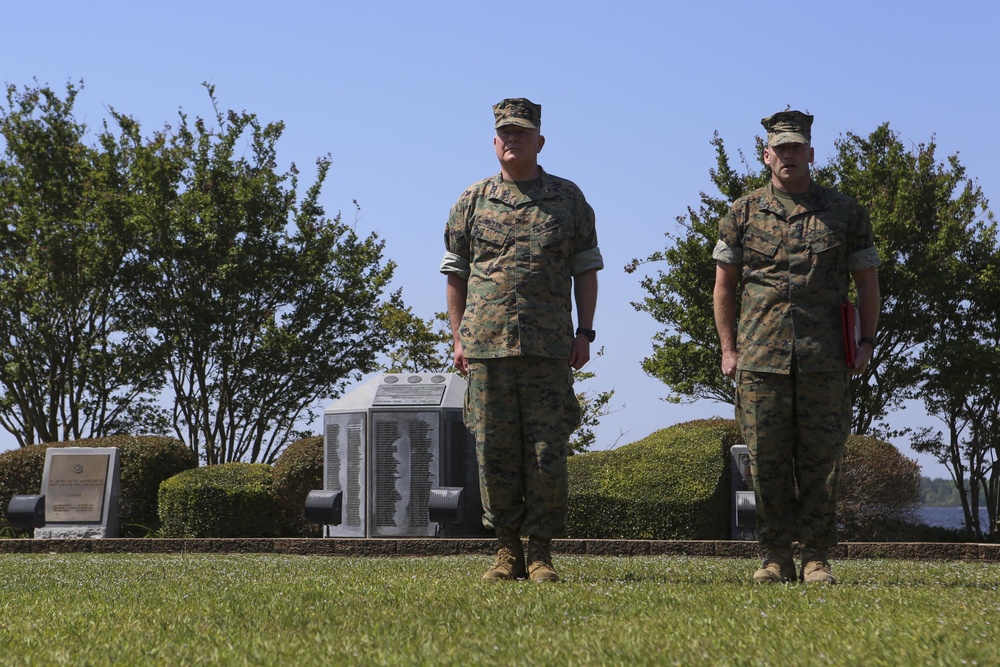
(586, 261)
(587, 255)
(723, 253)
(863, 259)
(862, 253)
(452, 263)
(456, 242)
(729, 249)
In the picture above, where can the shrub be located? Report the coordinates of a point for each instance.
(298, 471)
(20, 474)
(879, 491)
(228, 500)
(670, 485)
(145, 462)
(674, 484)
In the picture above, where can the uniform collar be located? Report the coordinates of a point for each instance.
(500, 192)
(815, 200)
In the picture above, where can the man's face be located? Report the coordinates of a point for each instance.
(789, 165)
(517, 145)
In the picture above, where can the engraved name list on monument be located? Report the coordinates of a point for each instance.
(345, 463)
(355, 470)
(386, 474)
(404, 472)
(421, 475)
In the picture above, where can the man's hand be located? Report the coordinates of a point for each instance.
(862, 358)
(461, 363)
(581, 352)
(729, 363)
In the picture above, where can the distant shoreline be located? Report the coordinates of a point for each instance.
(949, 517)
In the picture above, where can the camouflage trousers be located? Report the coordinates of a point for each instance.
(795, 427)
(522, 411)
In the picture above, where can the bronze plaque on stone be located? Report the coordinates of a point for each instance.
(76, 488)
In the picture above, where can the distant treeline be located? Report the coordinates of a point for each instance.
(942, 493)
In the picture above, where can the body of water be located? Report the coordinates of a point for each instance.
(949, 517)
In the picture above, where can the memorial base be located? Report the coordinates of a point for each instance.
(71, 532)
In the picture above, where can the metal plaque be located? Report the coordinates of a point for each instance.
(409, 394)
(76, 488)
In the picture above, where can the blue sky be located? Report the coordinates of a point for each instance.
(399, 95)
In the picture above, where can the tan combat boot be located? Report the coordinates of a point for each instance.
(509, 564)
(540, 560)
(778, 568)
(816, 568)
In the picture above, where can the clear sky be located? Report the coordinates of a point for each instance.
(399, 94)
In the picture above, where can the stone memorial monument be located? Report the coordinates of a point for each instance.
(80, 486)
(400, 458)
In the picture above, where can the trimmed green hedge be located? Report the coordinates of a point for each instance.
(674, 484)
(671, 485)
(145, 462)
(298, 471)
(228, 500)
(879, 492)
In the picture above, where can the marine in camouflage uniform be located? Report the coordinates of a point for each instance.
(794, 245)
(519, 247)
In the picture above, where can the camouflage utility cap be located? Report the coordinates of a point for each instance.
(788, 127)
(518, 111)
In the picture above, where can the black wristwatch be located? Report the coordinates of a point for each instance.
(589, 333)
(870, 341)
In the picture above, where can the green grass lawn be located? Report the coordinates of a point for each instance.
(91, 609)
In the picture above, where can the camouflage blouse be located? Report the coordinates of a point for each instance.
(519, 255)
(796, 274)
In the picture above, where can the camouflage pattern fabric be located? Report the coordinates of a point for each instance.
(793, 388)
(795, 426)
(788, 127)
(518, 111)
(522, 411)
(522, 253)
(796, 274)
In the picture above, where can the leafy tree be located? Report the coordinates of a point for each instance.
(961, 385)
(686, 355)
(925, 215)
(929, 218)
(938, 242)
(259, 304)
(940, 493)
(67, 369)
(417, 346)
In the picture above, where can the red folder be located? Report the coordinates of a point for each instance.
(851, 327)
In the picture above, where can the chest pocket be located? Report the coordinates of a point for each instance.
(761, 242)
(488, 240)
(824, 241)
(549, 234)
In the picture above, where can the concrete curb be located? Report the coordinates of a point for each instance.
(931, 551)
